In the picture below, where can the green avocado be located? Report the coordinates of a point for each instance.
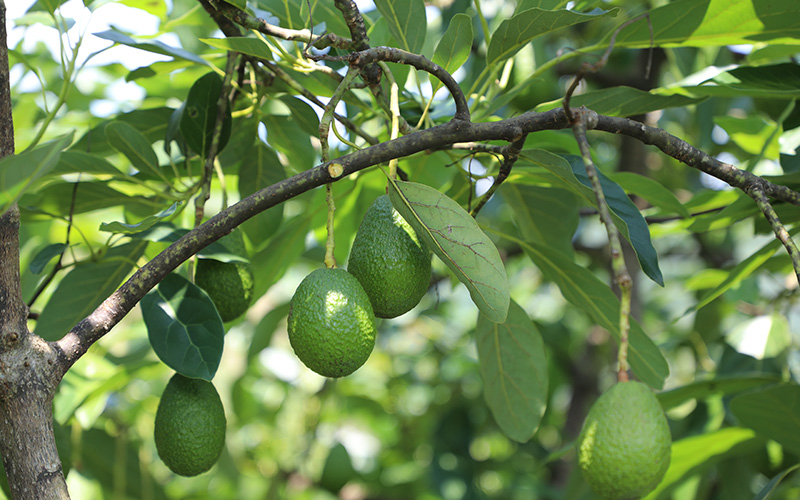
(389, 260)
(189, 426)
(331, 324)
(229, 284)
(624, 447)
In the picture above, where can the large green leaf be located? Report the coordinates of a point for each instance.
(651, 190)
(77, 161)
(184, 327)
(585, 291)
(516, 31)
(151, 46)
(452, 234)
(199, 115)
(150, 122)
(543, 214)
(571, 172)
(695, 23)
(407, 22)
(702, 389)
(270, 264)
(773, 413)
(454, 47)
(624, 101)
(134, 145)
(259, 169)
(85, 287)
(19, 173)
(695, 454)
(514, 370)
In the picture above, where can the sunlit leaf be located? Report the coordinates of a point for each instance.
(407, 22)
(514, 371)
(773, 413)
(123, 228)
(184, 327)
(453, 235)
(134, 145)
(19, 173)
(248, 46)
(624, 101)
(454, 47)
(151, 46)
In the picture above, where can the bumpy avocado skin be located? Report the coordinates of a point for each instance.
(331, 325)
(389, 260)
(229, 284)
(625, 445)
(190, 426)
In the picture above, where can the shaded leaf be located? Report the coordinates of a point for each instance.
(44, 256)
(270, 264)
(134, 145)
(77, 161)
(651, 190)
(452, 234)
(151, 46)
(199, 115)
(770, 487)
(123, 228)
(514, 371)
(694, 454)
(259, 169)
(407, 22)
(624, 101)
(57, 199)
(19, 173)
(454, 47)
(150, 122)
(773, 413)
(85, 287)
(184, 327)
(249, 46)
(702, 389)
(516, 31)
(543, 214)
(262, 336)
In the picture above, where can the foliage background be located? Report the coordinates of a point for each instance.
(413, 420)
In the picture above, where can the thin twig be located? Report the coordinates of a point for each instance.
(510, 156)
(777, 226)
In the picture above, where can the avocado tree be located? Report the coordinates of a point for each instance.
(609, 191)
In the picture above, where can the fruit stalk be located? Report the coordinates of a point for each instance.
(394, 107)
(621, 275)
(330, 244)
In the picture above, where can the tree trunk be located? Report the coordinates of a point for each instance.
(28, 378)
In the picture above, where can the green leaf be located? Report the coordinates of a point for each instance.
(771, 486)
(751, 134)
(407, 22)
(57, 199)
(514, 371)
(259, 169)
(695, 454)
(773, 413)
(651, 190)
(150, 122)
(123, 228)
(262, 335)
(85, 287)
(543, 214)
(199, 115)
(248, 46)
(18, 173)
(702, 389)
(516, 31)
(764, 336)
(134, 145)
(151, 46)
(690, 23)
(454, 47)
(452, 234)
(44, 256)
(624, 101)
(184, 327)
(585, 291)
(76, 161)
(270, 264)
(302, 114)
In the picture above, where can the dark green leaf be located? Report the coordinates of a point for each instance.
(585, 291)
(123, 228)
(151, 46)
(771, 486)
(702, 389)
(57, 199)
(773, 413)
(543, 214)
(77, 161)
(84, 288)
(407, 22)
(134, 145)
(184, 327)
(259, 169)
(302, 114)
(516, 31)
(452, 234)
(44, 256)
(18, 173)
(514, 371)
(199, 115)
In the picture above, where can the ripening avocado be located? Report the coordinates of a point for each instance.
(389, 260)
(331, 324)
(625, 444)
(190, 426)
(229, 284)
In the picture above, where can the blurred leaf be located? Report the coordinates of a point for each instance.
(270, 264)
(690, 23)
(199, 115)
(543, 214)
(85, 287)
(259, 169)
(452, 234)
(765, 336)
(724, 385)
(18, 173)
(751, 134)
(407, 22)
(150, 122)
(514, 371)
(769, 488)
(516, 31)
(286, 134)
(624, 101)
(338, 469)
(585, 291)
(294, 14)
(57, 199)
(44, 256)
(184, 327)
(123, 228)
(454, 47)
(262, 336)
(249, 46)
(695, 454)
(773, 413)
(134, 145)
(651, 190)
(77, 161)
(151, 46)
(302, 114)
(157, 8)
